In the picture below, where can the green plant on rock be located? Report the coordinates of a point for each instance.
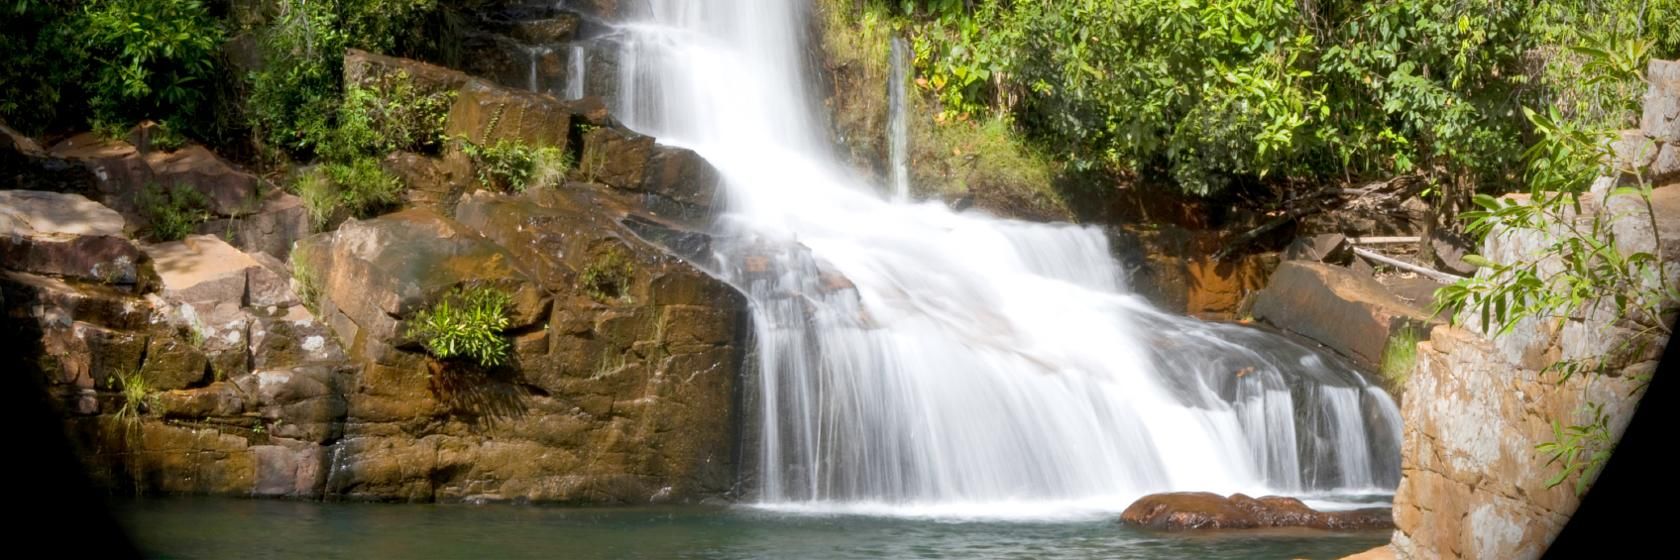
(361, 188)
(512, 166)
(306, 278)
(466, 324)
(137, 397)
(173, 212)
(1400, 355)
(607, 278)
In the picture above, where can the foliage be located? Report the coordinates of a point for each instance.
(1214, 93)
(173, 212)
(295, 100)
(36, 78)
(137, 399)
(512, 166)
(466, 324)
(361, 188)
(607, 278)
(1579, 450)
(151, 58)
(306, 278)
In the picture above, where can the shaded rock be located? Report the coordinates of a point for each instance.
(1203, 510)
(1661, 119)
(304, 403)
(231, 192)
(219, 400)
(1328, 247)
(270, 284)
(67, 235)
(58, 303)
(272, 228)
(25, 165)
(1450, 249)
(173, 363)
(288, 470)
(283, 342)
(558, 29)
(1351, 314)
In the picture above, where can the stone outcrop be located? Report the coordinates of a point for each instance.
(1337, 307)
(1178, 511)
(1171, 267)
(67, 235)
(1473, 485)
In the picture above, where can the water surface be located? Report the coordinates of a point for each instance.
(259, 529)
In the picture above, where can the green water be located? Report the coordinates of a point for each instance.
(259, 529)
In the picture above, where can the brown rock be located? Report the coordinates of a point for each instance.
(25, 165)
(433, 183)
(558, 29)
(231, 192)
(173, 363)
(279, 222)
(1351, 314)
(1203, 510)
(202, 269)
(1328, 247)
(67, 235)
(365, 69)
(484, 113)
(614, 157)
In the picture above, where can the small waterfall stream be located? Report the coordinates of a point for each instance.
(898, 127)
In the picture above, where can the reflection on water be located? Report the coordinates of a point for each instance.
(250, 529)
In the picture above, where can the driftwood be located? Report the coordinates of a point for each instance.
(1384, 240)
(1309, 205)
(1433, 274)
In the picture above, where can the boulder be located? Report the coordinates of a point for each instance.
(1177, 511)
(123, 172)
(561, 28)
(1327, 247)
(1665, 168)
(1631, 151)
(1661, 120)
(25, 165)
(376, 273)
(614, 157)
(202, 269)
(1450, 249)
(1351, 314)
(431, 182)
(280, 221)
(365, 69)
(67, 235)
(484, 113)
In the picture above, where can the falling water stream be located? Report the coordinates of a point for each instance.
(898, 120)
(915, 360)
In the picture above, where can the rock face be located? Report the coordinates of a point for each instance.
(1473, 484)
(67, 235)
(619, 394)
(1170, 267)
(1205, 510)
(1337, 307)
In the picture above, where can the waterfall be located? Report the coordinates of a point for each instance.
(898, 121)
(575, 73)
(533, 55)
(913, 357)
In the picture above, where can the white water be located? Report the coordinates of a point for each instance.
(533, 58)
(981, 367)
(575, 73)
(898, 120)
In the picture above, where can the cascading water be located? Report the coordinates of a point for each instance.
(898, 120)
(912, 358)
(575, 72)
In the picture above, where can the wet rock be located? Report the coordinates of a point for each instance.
(288, 470)
(173, 362)
(1661, 120)
(1203, 510)
(67, 235)
(1351, 314)
(614, 157)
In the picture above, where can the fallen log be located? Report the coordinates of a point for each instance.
(1433, 274)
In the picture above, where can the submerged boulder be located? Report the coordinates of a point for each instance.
(1205, 510)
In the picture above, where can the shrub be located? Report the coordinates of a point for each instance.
(138, 398)
(358, 189)
(1399, 355)
(173, 212)
(39, 69)
(607, 278)
(150, 58)
(466, 324)
(512, 166)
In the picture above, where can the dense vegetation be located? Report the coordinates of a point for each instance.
(466, 324)
(1206, 95)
